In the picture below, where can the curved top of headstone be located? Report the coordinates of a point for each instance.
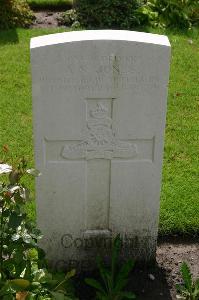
(90, 35)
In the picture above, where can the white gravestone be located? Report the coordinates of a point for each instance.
(99, 106)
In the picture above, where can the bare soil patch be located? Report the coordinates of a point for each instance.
(170, 257)
(46, 19)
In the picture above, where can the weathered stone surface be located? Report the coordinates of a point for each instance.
(99, 101)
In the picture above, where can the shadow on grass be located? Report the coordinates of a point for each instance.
(179, 238)
(9, 36)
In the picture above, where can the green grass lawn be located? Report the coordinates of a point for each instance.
(180, 188)
(50, 4)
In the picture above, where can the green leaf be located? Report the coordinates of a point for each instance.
(28, 270)
(14, 177)
(20, 267)
(25, 193)
(70, 274)
(15, 237)
(120, 285)
(8, 297)
(15, 220)
(9, 266)
(21, 283)
(186, 275)
(196, 294)
(35, 285)
(180, 288)
(99, 296)
(28, 239)
(42, 276)
(58, 296)
(117, 244)
(95, 284)
(121, 279)
(127, 295)
(41, 256)
(33, 172)
(32, 254)
(32, 296)
(105, 274)
(6, 213)
(196, 290)
(7, 289)
(197, 283)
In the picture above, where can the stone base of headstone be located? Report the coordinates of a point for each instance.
(140, 249)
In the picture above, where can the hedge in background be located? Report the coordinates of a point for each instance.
(15, 13)
(116, 14)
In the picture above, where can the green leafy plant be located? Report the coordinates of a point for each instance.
(147, 14)
(189, 290)
(23, 268)
(178, 13)
(15, 13)
(113, 279)
(169, 13)
(43, 285)
(115, 14)
(18, 236)
(68, 18)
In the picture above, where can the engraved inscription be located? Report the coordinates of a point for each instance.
(107, 72)
(101, 140)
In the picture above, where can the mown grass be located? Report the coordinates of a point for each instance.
(50, 4)
(180, 188)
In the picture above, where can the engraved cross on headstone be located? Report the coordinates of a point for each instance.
(99, 147)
